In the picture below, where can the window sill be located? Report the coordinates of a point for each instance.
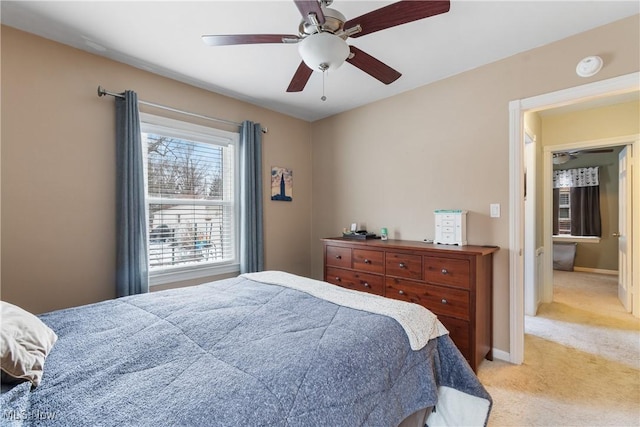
(577, 239)
(179, 275)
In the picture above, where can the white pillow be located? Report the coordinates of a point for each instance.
(25, 343)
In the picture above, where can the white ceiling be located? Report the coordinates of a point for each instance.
(164, 37)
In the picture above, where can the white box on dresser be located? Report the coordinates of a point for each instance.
(451, 227)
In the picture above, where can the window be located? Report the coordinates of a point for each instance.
(191, 199)
(564, 212)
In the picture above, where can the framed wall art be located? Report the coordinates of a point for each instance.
(281, 184)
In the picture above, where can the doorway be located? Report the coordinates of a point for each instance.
(597, 90)
(594, 253)
(601, 253)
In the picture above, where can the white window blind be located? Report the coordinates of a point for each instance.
(191, 196)
(564, 212)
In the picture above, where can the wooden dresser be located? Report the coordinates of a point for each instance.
(454, 282)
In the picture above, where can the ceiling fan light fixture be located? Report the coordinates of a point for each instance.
(323, 51)
(560, 158)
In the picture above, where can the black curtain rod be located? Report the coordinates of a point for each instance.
(103, 92)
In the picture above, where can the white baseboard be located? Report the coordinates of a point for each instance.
(596, 270)
(501, 355)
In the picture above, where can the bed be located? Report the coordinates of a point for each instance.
(262, 349)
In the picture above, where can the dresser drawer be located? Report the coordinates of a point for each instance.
(404, 265)
(349, 279)
(438, 299)
(460, 333)
(338, 256)
(448, 216)
(372, 261)
(447, 271)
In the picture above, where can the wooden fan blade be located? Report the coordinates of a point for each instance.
(395, 14)
(226, 40)
(598, 151)
(593, 151)
(370, 65)
(310, 6)
(300, 78)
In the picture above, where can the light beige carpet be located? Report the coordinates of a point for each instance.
(581, 364)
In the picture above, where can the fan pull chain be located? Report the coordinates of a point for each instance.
(323, 98)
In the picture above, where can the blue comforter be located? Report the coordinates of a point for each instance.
(232, 353)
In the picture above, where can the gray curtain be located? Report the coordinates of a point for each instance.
(251, 228)
(556, 210)
(132, 271)
(585, 211)
(584, 195)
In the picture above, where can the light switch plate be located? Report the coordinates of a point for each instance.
(495, 210)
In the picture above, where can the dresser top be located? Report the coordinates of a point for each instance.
(413, 245)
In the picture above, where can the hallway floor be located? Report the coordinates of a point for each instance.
(582, 361)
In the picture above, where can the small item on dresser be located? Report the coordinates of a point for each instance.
(360, 235)
(451, 227)
(384, 235)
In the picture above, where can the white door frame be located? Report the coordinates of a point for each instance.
(531, 279)
(517, 108)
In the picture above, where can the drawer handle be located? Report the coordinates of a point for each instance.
(444, 271)
(366, 285)
(338, 256)
(366, 261)
(402, 265)
(338, 279)
(444, 301)
(401, 292)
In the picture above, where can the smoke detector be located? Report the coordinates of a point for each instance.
(589, 66)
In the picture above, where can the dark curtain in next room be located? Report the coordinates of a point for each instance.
(584, 200)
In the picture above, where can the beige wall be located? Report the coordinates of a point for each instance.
(58, 171)
(597, 123)
(446, 145)
(593, 124)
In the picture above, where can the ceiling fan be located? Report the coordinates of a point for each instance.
(563, 157)
(323, 32)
